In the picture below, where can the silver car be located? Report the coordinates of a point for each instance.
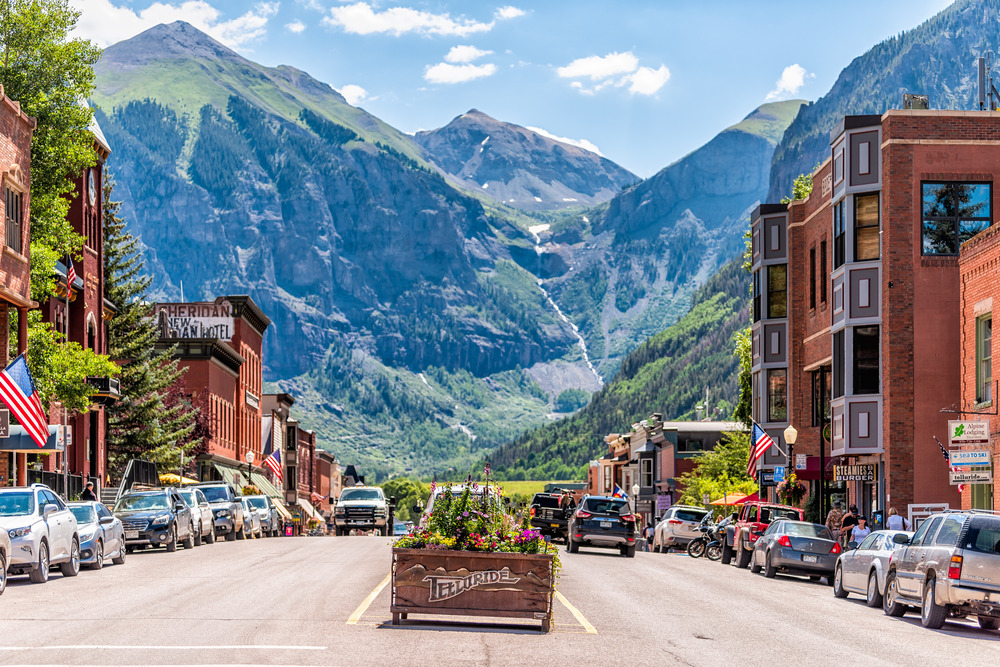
(4, 559)
(862, 569)
(101, 534)
(201, 514)
(42, 532)
(950, 567)
(795, 547)
(678, 526)
(251, 523)
(264, 508)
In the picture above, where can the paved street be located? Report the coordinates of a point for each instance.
(248, 603)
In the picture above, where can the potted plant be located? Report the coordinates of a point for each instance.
(473, 557)
(791, 490)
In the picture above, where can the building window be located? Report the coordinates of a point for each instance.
(821, 397)
(777, 291)
(984, 359)
(866, 365)
(777, 397)
(756, 296)
(839, 369)
(756, 395)
(646, 473)
(824, 276)
(982, 497)
(839, 236)
(952, 214)
(812, 278)
(866, 237)
(12, 219)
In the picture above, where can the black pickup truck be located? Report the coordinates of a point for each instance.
(548, 516)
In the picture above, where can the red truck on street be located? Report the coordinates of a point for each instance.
(754, 518)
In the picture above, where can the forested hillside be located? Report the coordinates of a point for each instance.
(670, 373)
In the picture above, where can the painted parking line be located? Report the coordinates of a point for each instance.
(591, 630)
(363, 607)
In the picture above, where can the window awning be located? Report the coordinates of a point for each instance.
(282, 510)
(265, 486)
(308, 509)
(227, 473)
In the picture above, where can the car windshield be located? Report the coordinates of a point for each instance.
(605, 505)
(189, 497)
(152, 501)
(807, 530)
(690, 515)
(984, 534)
(546, 500)
(17, 503)
(84, 514)
(216, 493)
(258, 502)
(361, 494)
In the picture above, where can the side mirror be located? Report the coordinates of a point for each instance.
(107, 520)
(900, 538)
(852, 545)
(417, 509)
(51, 508)
(179, 507)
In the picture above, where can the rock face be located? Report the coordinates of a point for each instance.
(519, 167)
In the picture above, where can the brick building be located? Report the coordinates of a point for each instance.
(16, 130)
(856, 302)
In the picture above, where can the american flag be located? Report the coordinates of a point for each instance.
(316, 498)
(17, 390)
(70, 273)
(761, 442)
(944, 453)
(273, 462)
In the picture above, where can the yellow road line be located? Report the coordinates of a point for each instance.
(363, 607)
(591, 630)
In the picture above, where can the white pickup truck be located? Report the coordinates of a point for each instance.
(362, 508)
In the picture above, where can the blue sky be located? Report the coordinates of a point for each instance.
(644, 82)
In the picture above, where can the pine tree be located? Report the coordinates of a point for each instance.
(153, 419)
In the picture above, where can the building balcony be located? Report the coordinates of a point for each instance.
(108, 389)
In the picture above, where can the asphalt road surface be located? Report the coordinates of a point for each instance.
(318, 601)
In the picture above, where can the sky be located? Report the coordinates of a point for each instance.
(642, 82)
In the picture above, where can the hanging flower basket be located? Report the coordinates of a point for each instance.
(791, 490)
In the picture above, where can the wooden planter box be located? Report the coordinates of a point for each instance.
(472, 583)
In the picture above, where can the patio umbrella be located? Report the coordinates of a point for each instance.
(172, 478)
(731, 499)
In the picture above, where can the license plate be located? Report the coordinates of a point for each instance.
(554, 525)
(605, 524)
(131, 534)
(806, 558)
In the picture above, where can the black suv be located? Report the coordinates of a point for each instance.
(605, 522)
(158, 517)
(548, 517)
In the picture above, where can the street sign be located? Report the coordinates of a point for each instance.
(779, 474)
(857, 473)
(767, 478)
(4, 423)
(800, 461)
(968, 433)
(969, 457)
(971, 477)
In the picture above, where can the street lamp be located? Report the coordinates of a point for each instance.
(635, 498)
(790, 436)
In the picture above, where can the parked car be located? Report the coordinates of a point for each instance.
(753, 520)
(226, 507)
(201, 512)
(251, 520)
(101, 534)
(399, 529)
(677, 527)
(796, 547)
(263, 506)
(951, 566)
(548, 516)
(4, 559)
(42, 532)
(603, 522)
(157, 518)
(862, 567)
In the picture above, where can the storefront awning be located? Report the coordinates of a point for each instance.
(227, 473)
(282, 510)
(265, 486)
(20, 441)
(308, 509)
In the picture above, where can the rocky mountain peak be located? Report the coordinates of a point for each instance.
(168, 40)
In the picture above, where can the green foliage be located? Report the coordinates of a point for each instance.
(219, 154)
(801, 188)
(408, 493)
(719, 471)
(742, 411)
(570, 400)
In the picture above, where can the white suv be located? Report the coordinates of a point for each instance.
(42, 532)
(677, 527)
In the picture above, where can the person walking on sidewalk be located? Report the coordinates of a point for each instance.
(834, 518)
(88, 492)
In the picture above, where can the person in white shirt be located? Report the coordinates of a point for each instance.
(896, 521)
(861, 531)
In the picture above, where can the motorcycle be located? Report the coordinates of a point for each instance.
(709, 544)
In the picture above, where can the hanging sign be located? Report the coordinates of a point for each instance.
(971, 477)
(857, 473)
(969, 457)
(971, 434)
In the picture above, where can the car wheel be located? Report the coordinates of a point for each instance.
(727, 554)
(754, 567)
(120, 558)
(874, 597)
(189, 540)
(231, 535)
(932, 614)
(743, 557)
(71, 568)
(241, 534)
(210, 538)
(572, 546)
(98, 556)
(40, 574)
(629, 551)
(197, 537)
(838, 583)
(3, 573)
(769, 570)
(172, 540)
(890, 601)
(985, 622)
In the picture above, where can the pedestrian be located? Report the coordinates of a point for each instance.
(861, 531)
(834, 518)
(88, 492)
(848, 524)
(647, 534)
(896, 521)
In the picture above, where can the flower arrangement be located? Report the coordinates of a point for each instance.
(250, 490)
(791, 490)
(475, 521)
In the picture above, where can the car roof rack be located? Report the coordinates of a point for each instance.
(687, 507)
(969, 511)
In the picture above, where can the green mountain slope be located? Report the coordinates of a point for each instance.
(672, 372)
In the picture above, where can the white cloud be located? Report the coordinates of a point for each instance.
(599, 67)
(447, 73)
(465, 54)
(615, 70)
(792, 79)
(354, 94)
(361, 19)
(579, 143)
(509, 12)
(295, 26)
(106, 22)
